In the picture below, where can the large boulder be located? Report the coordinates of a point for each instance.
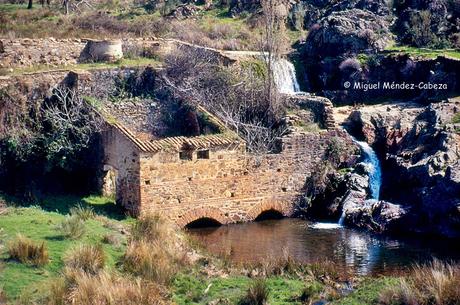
(376, 216)
(348, 32)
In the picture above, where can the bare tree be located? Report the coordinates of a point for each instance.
(71, 122)
(236, 96)
(273, 42)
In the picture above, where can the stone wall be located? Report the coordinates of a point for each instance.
(232, 186)
(59, 53)
(320, 107)
(121, 160)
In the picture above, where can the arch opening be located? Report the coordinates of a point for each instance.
(203, 222)
(269, 215)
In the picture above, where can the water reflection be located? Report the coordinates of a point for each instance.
(358, 251)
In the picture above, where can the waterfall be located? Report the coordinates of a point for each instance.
(372, 164)
(284, 76)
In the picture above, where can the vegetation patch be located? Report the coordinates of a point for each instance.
(424, 52)
(38, 226)
(456, 119)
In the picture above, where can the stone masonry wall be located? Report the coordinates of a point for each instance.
(121, 159)
(231, 186)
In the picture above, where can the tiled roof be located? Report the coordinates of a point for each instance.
(179, 143)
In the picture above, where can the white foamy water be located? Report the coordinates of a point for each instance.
(372, 163)
(325, 226)
(285, 77)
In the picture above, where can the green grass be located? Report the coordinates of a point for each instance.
(193, 289)
(368, 292)
(9, 7)
(39, 225)
(425, 53)
(456, 119)
(135, 62)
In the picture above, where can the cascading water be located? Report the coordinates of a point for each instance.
(285, 77)
(372, 164)
(286, 81)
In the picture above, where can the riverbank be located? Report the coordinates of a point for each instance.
(197, 277)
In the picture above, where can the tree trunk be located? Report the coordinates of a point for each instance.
(30, 4)
(66, 6)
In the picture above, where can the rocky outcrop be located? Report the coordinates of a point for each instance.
(184, 11)
(377, 76)
(420, 147)
(348, 32)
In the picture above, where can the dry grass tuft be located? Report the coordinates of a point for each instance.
(88, 258)
(257, 293)
(26, 251)
(104, 289)
(2, 296)
(152, 227)
(155, 251)
(436, 283)
(150, 261)
(84, 213)
(283, 265)
(72, 227)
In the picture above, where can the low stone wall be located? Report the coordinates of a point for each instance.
(59, 53)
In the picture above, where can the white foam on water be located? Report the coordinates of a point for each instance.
(325, 226)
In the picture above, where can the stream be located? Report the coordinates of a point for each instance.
(359, 252)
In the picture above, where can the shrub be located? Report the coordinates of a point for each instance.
(351, 64)
(150, 260)
(421, 33)
(257, 293)
(84, 213)
(26, 251)
(72, 227)
(436, 283)
(89, 258)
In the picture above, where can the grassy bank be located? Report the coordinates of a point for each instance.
(424, 52)
(42, 226)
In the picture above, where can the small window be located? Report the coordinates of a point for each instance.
(147, 182)
(185, 155)
(202, 154)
